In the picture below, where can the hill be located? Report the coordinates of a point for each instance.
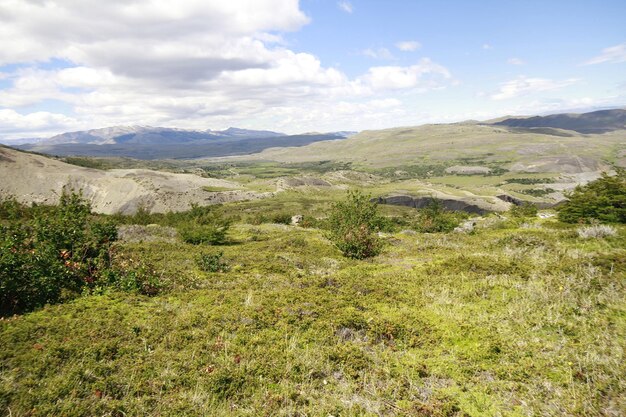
(466, 144)
(37, 179)
(600, 121)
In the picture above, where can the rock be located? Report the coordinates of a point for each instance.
(422, 202)
(519, 202)
(466, 227)
(468, 170)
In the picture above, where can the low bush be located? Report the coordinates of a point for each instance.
(212, 262)
(198, 234)
(205, 225)
(526, 209)
(435, 219)
(353, 224)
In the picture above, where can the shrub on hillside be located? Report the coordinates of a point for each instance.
(353, 224)
(603, 200)
(53, 256)
(212, 262)
(205, 225)
(526, 209)
(198, 234)
(434, 218)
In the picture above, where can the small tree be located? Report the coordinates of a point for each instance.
(353, 224)
(603, 199)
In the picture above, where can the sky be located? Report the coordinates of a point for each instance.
(302, 66)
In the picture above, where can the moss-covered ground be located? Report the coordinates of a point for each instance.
(514, 319)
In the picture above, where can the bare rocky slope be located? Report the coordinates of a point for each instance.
(35, 178)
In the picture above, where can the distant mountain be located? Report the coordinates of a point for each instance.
(165, 143)
(148, 135)
(601, 121)
(246, 133)
(21, 141)
(343, 133)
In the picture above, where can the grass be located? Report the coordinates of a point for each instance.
(216, 189)
(505, 321)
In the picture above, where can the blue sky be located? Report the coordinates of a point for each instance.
(309, 65)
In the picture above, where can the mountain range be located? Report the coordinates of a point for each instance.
(147, 142)
(601, 121)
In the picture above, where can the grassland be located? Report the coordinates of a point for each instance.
(517, 318)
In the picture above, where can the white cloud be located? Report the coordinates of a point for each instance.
(194, 64)
(346, 6)
(378, 53)
(18, 125)
(487, 46)
(408, 46)
(613, 54)
(522, 86)
(425, 74)
(515, 61)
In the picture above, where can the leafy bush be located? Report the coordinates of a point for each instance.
(205, 226)
(10, 209)
(212, 262)
(603, 200)
(435, 219)
(353, 224)
(141, 279)
(198, 234)
(281, 218)
(53, 256)
(525, 210)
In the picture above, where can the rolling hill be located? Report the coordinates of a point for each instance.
(601, 121)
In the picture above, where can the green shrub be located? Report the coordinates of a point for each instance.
(281, 218)
(10, 209)
(52, 257)
(527, 209)
(212, 262)
(603, 200)
(205, 225)
(198, 234)
(353, 224)
(435, 219)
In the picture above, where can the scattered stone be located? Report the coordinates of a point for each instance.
(546, 215)
(468, 170)
(466, 227)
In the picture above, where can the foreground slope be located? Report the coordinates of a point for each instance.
(36, 178)
(506, 321)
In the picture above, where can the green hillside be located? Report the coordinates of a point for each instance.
(515, 149)
(520, 317)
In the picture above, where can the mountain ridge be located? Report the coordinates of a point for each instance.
(599, 121)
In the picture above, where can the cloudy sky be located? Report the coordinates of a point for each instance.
(297, 66)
